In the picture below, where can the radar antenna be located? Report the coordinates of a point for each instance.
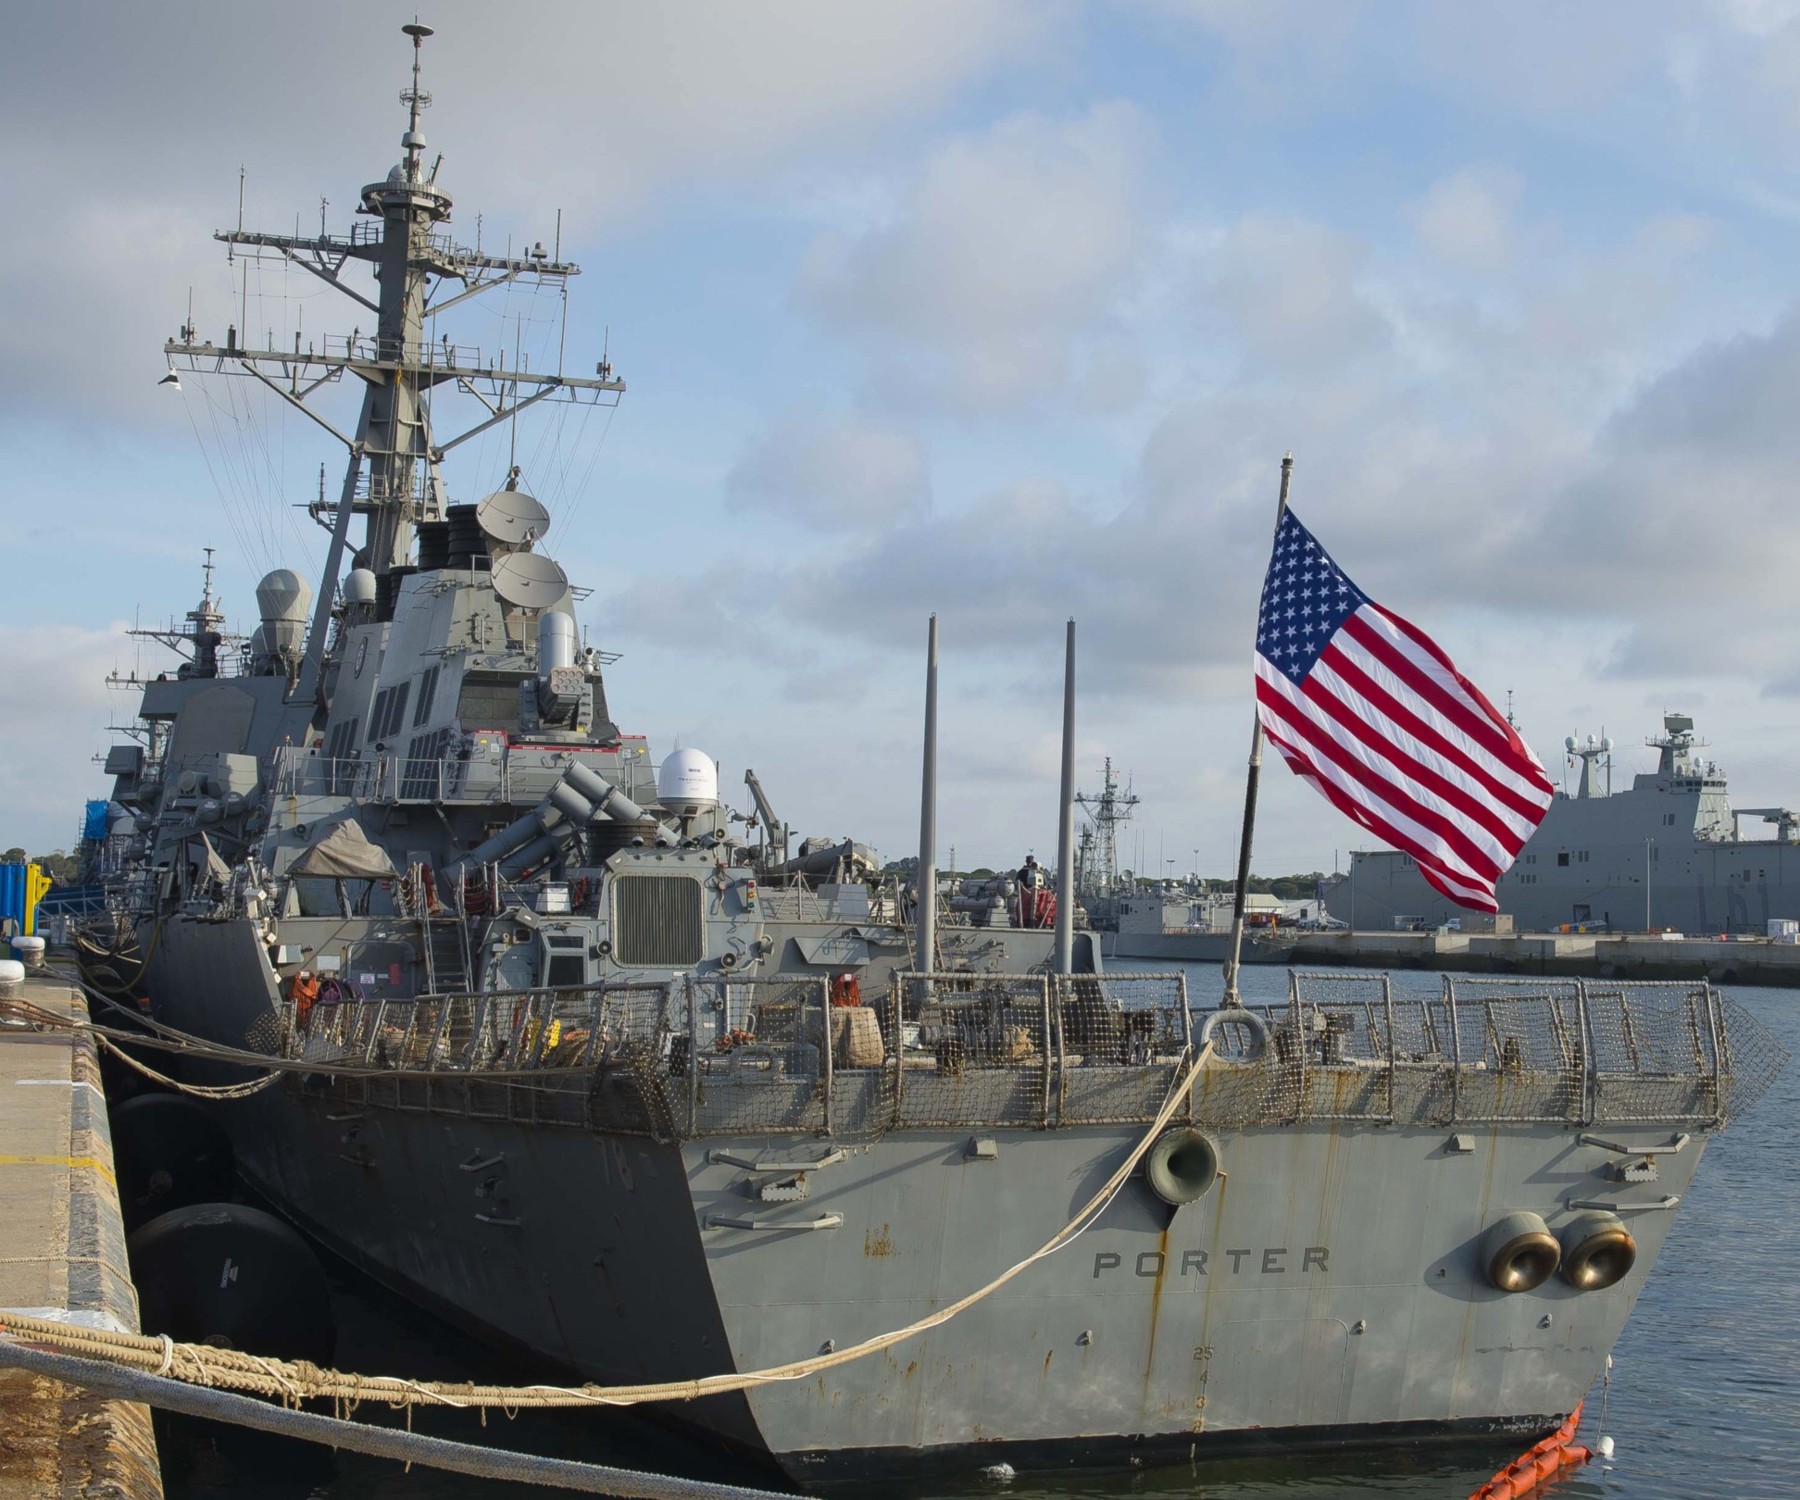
(393, 478)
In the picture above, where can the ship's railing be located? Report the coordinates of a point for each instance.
(719, 1056)
(794, 903)
(800, 1054)
(1486, 1051)
(464, 359)
(386, 778)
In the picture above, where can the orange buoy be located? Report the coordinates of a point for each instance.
(1528, 1473)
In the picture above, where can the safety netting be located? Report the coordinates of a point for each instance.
(810, 1054)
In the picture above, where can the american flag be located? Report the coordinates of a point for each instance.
(1369, 709)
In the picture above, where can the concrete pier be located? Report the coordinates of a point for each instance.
(1589, 955)
(62, 1255)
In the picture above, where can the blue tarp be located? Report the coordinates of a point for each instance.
(12, 898)
(94, 825)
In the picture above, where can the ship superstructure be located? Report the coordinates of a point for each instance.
(1097, 882)
(571, 1063)
(1667, 852)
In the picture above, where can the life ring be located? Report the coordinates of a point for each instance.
(1182, 1166)
(1519, 1253)
(1597, 1251)
(1237, 1015)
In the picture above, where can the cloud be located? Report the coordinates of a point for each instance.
(834, 473)
(1758, 18)
(1291, 290)
(1466, 218)
(1463, 464)
(1007, 248)
(53, 711)
(599, 113)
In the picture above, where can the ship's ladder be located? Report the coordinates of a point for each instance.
(445, 941)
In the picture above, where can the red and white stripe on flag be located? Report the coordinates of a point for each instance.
(1370, 710)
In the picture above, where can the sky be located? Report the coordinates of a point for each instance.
(1003, 311)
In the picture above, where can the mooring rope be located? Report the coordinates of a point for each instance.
(290, 1380)
(111, 1037)
(111, 1380)
(197, 1090)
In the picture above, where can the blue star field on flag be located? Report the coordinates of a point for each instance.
(1305, 597)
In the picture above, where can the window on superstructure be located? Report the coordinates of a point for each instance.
(1562, 856)
(566, 971)
(396, 714)
(427, 692)
(378, 716)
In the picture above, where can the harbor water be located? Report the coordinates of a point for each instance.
(1704, 1398)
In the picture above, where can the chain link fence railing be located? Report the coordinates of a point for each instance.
(809, 1055)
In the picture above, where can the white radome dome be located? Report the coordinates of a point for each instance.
(687, 778)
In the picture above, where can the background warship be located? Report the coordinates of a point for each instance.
(556, 1053)
(1668, 850)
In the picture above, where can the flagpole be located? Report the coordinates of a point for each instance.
(1065, 821)
(1255, 774)
(925, 961)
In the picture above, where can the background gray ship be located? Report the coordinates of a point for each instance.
(613, 1077)
(1668, 851)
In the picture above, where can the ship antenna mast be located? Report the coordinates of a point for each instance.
(415, 99)
(395, 451)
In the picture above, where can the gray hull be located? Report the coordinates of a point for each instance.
(1194, 947)
(1327, 1291)
(1664, 852)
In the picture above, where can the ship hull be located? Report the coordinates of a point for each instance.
(1656, 856)
(1325, 1294)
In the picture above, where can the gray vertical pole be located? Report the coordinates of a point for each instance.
(1065, 828)
(1250, 781)
(312, 664)
(927, 922)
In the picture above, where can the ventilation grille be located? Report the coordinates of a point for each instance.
(425, 753)
(390, 712)
(338, 745)
(427, 696)
(657, 921)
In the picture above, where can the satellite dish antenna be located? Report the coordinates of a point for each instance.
(527, 581)
(511, 520)
(1569, 744)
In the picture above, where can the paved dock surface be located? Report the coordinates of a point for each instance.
(1631, 956)
(62, 1248)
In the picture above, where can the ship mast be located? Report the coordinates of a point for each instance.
(1108, 810)
(393, 474)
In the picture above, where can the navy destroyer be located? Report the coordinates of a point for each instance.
(568, 1052)
(1667, 852)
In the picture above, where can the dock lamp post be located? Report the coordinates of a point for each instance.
(1647, 843)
